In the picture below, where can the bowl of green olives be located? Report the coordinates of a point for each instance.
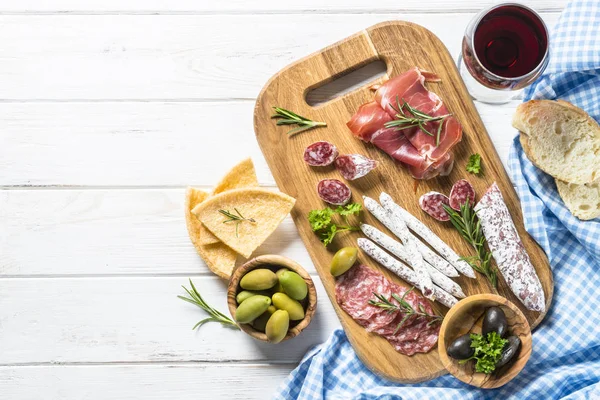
(272, 298)
(485, 341)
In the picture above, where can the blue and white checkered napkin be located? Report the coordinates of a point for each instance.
(566, 354)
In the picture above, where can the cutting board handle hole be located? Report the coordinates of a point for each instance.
(348, 81)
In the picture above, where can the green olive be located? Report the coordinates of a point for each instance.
(252, 308)
(277, 287)
(277, 326)
(283, 302)
(343, 260)
(260, 323)
(246, 294)
(293, 285)
(259, 279)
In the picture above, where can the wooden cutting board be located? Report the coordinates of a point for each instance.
(401, 45)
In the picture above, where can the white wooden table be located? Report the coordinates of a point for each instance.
(108, 109)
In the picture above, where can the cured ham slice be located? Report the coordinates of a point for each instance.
(417, 149)
(369, 118)
(394, 143)
(409, 87)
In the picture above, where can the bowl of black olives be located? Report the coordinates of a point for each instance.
(485, 341)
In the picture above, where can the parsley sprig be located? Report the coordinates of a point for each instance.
(474, 164)
(488, 351)
(469, 226)
(321, 221)
(403, 307)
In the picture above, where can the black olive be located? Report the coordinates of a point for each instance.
(510, 350)
(494, 321)
(460, 348)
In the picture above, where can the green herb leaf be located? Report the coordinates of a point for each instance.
(474, 164)
(488, 351)
(214, 314)
(286, 117)
(468, 225)
(349, 209)
(322, 224)
(320, 219)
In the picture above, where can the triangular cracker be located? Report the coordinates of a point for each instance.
(241, 175)
(219, 258)
(266, 207)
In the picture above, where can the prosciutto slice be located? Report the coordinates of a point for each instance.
(410, 87)
(369, 119)
(416, 149)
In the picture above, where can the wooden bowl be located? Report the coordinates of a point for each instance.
(467, 316)
(273, 262)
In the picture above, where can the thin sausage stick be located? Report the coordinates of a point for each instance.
(397, 249)
(399, 228)
(422, 230)
(403, 271)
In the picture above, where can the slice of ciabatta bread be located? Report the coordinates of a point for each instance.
(582, 200)
(560, 139)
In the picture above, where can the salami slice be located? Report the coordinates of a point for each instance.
(508, 249)
(433, 204)
(354, 166)
(461, 192)
(334, 192)
(353, 291)
(320, 154)
(355, 288)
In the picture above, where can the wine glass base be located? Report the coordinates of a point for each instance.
(484, 94)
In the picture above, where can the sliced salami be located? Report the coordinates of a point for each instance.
(433, 204)
(334, 192)
(354, 166)
(320, 154)
(354, 290)
(461, 192)
(508, 249)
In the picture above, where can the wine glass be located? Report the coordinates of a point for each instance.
(504, 49)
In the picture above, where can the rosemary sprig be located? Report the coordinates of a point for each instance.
(286, 117)
(215, 315)
(235, 218)
(409, 117)
(403, 307)
(469, 226)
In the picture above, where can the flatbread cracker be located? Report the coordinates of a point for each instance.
(219, 258)
(241, 175)
(266, 207)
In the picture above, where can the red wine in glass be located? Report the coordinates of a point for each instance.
(505, 47)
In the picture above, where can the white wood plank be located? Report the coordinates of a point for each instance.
(150, 382)
(174, 56)
(255, 6)
(141, 144)
(132, 320)
(109, 232)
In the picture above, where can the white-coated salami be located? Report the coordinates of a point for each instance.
(320, 154)
(397, 249)
(461, 193)
(334, 192)
(508, 250)
(403, 271)
(427, 235)
(354, 166)
(399, 228)
(433, 204)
